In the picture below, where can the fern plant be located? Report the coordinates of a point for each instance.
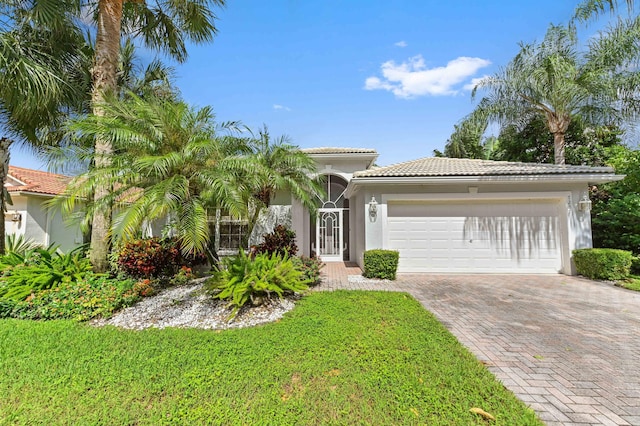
(243, 280)
(40, 269)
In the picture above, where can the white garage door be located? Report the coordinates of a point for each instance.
(511, 237)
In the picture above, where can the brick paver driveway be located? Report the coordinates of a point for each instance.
(566, 346)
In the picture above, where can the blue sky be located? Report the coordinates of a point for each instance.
(388, 75)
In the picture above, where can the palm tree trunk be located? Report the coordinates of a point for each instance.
(558, 147)
(104, 82)
(5, 155)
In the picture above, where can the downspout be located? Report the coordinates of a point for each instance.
(47, 226)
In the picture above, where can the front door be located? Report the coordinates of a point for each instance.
(329, 238)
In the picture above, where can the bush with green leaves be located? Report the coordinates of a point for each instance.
(244, 280)
(635, 265)
(94, 296)
(310, 268)
(154, 258)
(381, 264)
(603, 264)
(40, 269)
(281, 241)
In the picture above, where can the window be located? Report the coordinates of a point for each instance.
(227, 231)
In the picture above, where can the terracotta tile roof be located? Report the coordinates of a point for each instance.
(435, 166)
(37, 181)
(331, 150)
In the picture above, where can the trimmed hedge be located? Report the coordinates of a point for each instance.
(381, 264)
(602, 263)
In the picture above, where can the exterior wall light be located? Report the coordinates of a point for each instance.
(584, 205)
(16, 217)
(373, 209)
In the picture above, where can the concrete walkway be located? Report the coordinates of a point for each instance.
(566, 346)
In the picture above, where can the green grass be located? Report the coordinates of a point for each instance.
(631, 283)
(345, 358)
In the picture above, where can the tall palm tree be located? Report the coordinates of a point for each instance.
(590, 9)
(164, 25)
(280, 166)
(41, 57)
(169, 161)
(557, 82)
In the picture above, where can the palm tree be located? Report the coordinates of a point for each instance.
(41, 57)
(280, 166)
(164, 25)
(555, 81)
(169, 161)
(589, 9)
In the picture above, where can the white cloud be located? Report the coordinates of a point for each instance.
(412, 78)
(474, 82)
(282, 107)
(401, 43)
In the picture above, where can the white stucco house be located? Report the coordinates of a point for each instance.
(449, 215)
(443, 215)
(29, 190)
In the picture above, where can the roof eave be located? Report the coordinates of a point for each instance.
(39, 194)
(370, 156)
(591, 178)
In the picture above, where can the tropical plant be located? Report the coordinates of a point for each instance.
(41, 78)
(310, 268)
(15, 243)
(281, 241)
(466, 139)
(244, 280)
(615, 214)
(590, 9)
(154, 258)
(170, 161)
(592, 146)
(164, 25)
(279, 166)
(41, 270)
(96, 295)
(555, 81)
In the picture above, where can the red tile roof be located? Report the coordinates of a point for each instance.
(37, 181)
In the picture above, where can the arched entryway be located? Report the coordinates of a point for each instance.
(330, 229)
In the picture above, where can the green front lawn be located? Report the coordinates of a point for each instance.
(338, 358)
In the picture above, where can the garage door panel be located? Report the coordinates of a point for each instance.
(519, 236)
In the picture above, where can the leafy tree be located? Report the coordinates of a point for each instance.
(41, 53)
(169, 160)
(556, 82)
(616, 206)
(279, 165)
(164, 25)
(585, 144)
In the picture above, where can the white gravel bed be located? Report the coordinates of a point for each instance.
(189, 306)
(361, 279)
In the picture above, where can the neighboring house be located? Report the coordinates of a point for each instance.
(450, 215)
(29, 190)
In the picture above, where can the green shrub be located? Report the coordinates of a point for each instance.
(603, 264)
(381, 264)
(154, 258)
(96, 295)
(281, 241)
(40, 269)
(243, 280)
(310, 268)
(635, 265)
